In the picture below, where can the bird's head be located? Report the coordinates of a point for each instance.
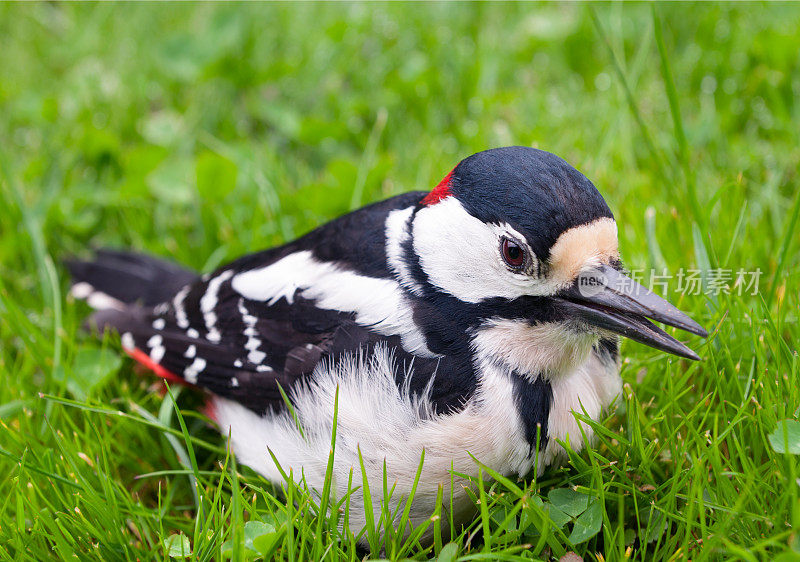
(528, 246)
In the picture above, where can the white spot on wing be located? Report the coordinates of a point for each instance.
(157, 350)
(102, 301)
(96, 299)
(192, 333)
(127, 341)
(157, 353)
(253, 343)
(180, 314)
(208, 303)
(81, 290)
(191, 351)
(237, 363)
(256, 357)
(190, 373)
(159, 323)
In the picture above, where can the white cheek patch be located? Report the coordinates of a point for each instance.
(461, 254)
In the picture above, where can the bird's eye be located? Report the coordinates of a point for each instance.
(513, 253)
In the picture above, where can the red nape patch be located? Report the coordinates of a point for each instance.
(211, 411)
(144, 359)
(439, 192)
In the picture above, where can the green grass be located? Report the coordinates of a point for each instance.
(203, 132)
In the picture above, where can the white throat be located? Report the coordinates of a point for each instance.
(547, 349)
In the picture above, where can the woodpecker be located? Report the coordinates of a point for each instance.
(471, 322)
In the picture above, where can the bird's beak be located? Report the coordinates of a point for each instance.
(608, 299)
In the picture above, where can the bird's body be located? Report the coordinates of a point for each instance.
(445, 322)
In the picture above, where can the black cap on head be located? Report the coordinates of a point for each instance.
(535, 191)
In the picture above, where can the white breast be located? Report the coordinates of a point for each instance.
(588, 390)
(388, 424)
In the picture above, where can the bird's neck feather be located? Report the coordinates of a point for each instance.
(550, 349)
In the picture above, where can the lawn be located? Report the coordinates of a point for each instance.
(205, 131)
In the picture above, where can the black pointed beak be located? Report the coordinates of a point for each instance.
(610, 300)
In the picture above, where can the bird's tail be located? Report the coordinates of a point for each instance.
(123, 287)
(114, 279)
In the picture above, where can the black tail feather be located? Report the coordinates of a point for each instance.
(130, 278)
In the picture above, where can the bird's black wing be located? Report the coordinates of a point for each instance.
(248, 350)
(245, 347)
(238, 348)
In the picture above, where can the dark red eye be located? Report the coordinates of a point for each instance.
(513, 253)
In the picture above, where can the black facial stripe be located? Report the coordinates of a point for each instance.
(447, 321)
(411, 259)
(459, 317)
